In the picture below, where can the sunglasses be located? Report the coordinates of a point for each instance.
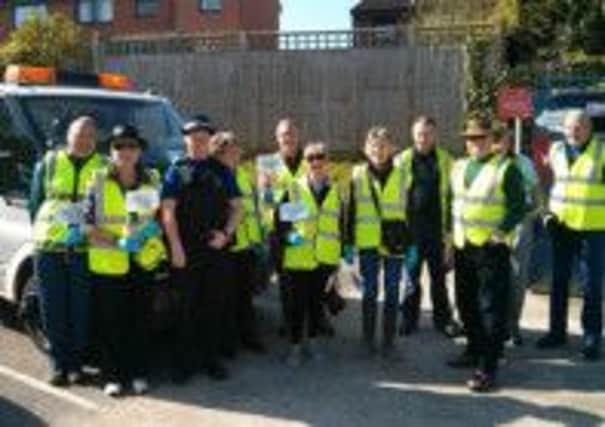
(313, 157)
(125, 145)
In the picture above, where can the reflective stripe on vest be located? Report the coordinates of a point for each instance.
(62, 186)
(578, 193)
(478, 210)
(392, 199)
(112, 217)
(444, 163)
(249, 230)
(320, 231)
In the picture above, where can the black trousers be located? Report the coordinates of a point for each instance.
(122, 310)
(200, 328)
(430, 249)
(305, 289)
(243, 266)
(482, 287)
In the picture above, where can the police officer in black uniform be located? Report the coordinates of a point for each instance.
(201, 209)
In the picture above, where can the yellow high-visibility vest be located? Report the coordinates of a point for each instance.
(111, 216)
(444, 163)
(577, 196)
(392, 198)
(320, 231)
(479, 209)
(249, 230)
(63, 187)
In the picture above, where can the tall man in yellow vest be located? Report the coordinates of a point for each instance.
(576, 222)
(60, 265)
(426, 167)
(275, 174)
(489, 202)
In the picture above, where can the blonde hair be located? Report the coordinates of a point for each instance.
(315, 147)
(220, 141)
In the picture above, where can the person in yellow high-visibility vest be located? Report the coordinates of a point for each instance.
(427, 166)
(126, 247)
(576, 221)
(239, 324)
(377, 228)
(308, 226)
(60, 269)
(488, 203)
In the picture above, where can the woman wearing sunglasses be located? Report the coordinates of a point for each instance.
(126, 247)
(309, 231)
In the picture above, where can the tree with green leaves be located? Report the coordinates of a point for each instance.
(46, 41)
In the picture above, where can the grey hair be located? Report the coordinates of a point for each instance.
(314, 147)
(78, 124)
(577, 115)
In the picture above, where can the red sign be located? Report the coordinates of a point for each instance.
(514, 102)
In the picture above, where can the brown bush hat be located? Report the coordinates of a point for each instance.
(477, 128)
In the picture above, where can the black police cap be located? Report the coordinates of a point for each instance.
(199, 122)
(125, 131)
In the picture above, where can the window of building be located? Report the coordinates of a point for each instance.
(25, 9)
(211, 5)
(147, 7)
(90, 11)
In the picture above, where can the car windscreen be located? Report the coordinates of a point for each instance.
(157, 121)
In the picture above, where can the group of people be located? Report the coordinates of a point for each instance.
(107, 228)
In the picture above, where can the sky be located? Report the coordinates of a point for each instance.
(316, 14)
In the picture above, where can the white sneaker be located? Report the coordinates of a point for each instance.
(140, 386)
(112, 389)
(294, 359)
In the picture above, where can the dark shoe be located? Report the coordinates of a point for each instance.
(463, 361)
(517, 340)
(450, 329)
(58, 379)
(181, 376)
(229, 353)
(76, 377)
(551, 341)
(254, 346)
(217, 372)
(481, 382)
(591, 349)
(408, 328)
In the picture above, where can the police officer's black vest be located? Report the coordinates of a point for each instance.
(203, 206)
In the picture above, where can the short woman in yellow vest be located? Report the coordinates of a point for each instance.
(239, 310)
(378, 198)
(308, 225)
(126, 247)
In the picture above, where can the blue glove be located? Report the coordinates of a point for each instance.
(295, 239)
(411, 257)
(149, 230)
(74, 236)
(348, 254)
(130, 245)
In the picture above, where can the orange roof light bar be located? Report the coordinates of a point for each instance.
(114, 81)
(20, 74)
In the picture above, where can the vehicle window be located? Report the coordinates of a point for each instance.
(16, 156)
(156, 120)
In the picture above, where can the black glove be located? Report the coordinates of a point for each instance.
(550, 222)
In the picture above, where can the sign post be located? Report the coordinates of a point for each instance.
(515, 103)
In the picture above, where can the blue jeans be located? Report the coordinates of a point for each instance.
(587, 247)
(63, 283)
(370, 263)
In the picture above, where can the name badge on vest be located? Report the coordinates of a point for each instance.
(293, 212)
(143, 200)
(269, 163)
(70, 213)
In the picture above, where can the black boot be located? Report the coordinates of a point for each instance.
(369, 325)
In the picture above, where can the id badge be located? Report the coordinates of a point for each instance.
(71, 213)
(293, 212)
(143, 200)
(268, 163)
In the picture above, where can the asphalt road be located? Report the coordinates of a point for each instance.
(538, 388)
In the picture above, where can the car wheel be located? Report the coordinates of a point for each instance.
(31, 315)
